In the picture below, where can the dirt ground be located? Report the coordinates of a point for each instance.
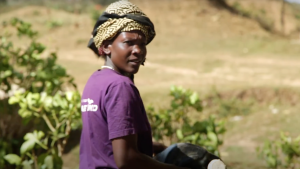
(197, 47)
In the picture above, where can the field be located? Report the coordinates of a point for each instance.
(201, 48)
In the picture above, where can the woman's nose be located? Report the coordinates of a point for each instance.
(136, 49)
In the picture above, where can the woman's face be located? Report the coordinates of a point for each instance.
(128, 51)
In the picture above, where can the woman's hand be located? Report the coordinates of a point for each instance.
(158, 147)
(127, 156)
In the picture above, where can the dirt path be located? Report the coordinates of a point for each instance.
(253, 70)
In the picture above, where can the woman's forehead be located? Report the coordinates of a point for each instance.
(134, 34)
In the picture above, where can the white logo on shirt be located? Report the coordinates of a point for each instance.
(90, 106)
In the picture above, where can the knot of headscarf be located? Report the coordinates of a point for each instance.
(118, 17)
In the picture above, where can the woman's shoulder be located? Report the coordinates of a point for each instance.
(108, 77)
(121, 82)
(106, 81)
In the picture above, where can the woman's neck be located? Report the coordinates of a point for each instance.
(109, 63)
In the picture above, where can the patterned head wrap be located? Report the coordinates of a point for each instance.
(118, 17)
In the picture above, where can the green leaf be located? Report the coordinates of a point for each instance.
(213, 137)
(32, 138)
(222, 130)
(27, 146)
(194, 98)
(7, 73)
(13, 159)
(41, 158)
(48, 103)
(27, 164)
(57, 161)
(25, 113)
(271, 161)
(179, 134)
(13, 100)
(173, 88)
(297, 139)
(49, 162)
(186, 128)
(39, 134)
(29, 136)
(35, 96)
(200, 126)
(29, 100)
(69, 96)
(63, 103)
(192, 138)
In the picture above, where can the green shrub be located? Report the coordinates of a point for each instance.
(175, 124)
(42, 99)
(284, 153)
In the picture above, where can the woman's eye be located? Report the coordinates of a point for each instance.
(128, 42)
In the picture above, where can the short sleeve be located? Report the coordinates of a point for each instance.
(124, 111)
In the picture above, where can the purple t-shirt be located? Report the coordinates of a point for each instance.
(111, 107)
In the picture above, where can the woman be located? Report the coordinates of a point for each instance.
(116, 132)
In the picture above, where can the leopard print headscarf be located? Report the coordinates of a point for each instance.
(118, 17)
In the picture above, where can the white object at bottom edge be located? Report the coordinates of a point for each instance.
(216, 164)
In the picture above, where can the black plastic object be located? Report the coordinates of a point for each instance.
(187, 155)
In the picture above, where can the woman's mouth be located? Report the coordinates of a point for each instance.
(135, 62)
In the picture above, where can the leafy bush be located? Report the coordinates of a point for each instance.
(60, 113)
(26, 68)
(284, 153)
(39, 86)
(175, 124)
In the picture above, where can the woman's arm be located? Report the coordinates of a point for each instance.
(158, 147)
(127, 156)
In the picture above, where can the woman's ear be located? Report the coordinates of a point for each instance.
(106, 48)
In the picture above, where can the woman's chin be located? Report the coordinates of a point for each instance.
(133, 69)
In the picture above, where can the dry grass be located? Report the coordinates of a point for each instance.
(197, 47)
